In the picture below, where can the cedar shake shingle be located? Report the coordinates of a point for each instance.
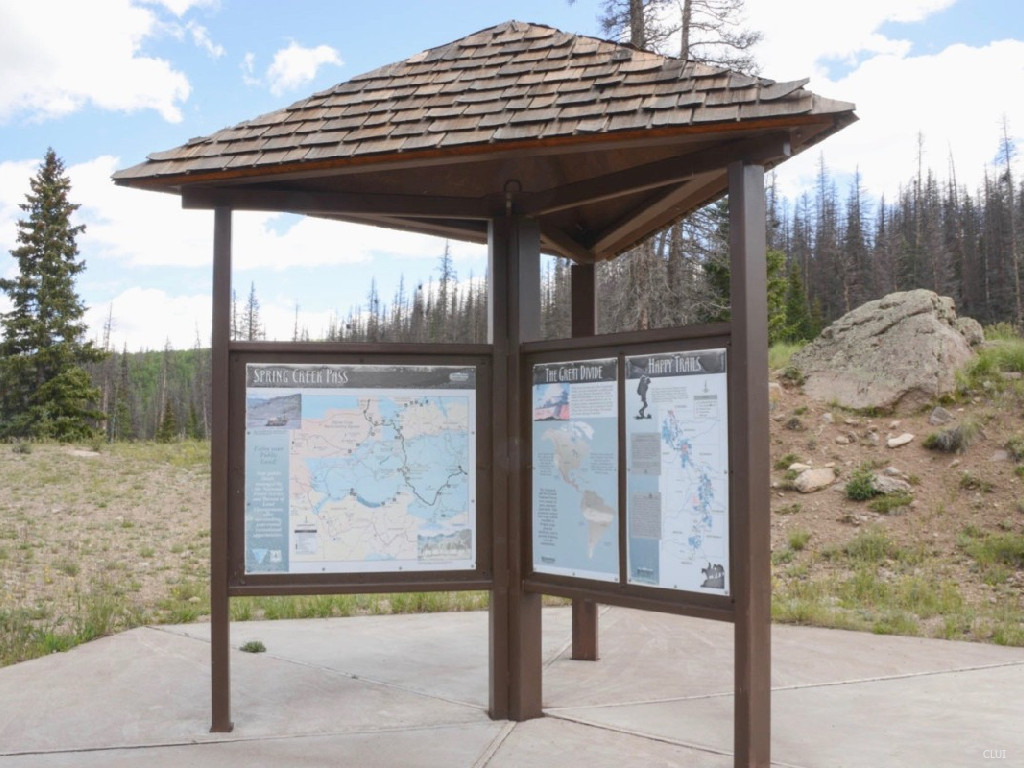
(512, 82)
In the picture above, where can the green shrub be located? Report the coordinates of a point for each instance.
(861, 485)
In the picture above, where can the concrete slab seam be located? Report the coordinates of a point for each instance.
(906, 676)
(496, 743)
(640, 734)
(229, 738)
(786, 688)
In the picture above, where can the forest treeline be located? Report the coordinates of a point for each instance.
(828, 252)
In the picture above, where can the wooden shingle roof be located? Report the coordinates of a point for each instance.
(568, 110)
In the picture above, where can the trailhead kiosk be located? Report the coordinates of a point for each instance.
(628, 469)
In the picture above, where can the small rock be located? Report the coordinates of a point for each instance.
(893, 472)
(828, 418)
(940, 415)
(1000, 455)
(798, 466)
(830, 465)
(888, 484)
(896, 442)
(811, 480)
(842, 440)
(894, 424)
(871, 438)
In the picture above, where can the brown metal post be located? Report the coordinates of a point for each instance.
(515, 615)
(584, 323)
(749, 421)
(220, 642)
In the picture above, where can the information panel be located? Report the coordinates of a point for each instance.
(575, 469)
(359, 468)
(677, 470)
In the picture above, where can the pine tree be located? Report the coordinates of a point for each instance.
(168, 432)
(44, 392)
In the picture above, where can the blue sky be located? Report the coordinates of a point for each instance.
(108, 81)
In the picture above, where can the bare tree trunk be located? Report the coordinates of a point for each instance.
(636, 24)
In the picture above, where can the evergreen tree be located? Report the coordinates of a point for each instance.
(44, 392)
(167, 432)
(778, 325)
(799, 324)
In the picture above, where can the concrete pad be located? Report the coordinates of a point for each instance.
(657, 656)
(149, 687)
(444, 655)
(441, 747)
(411, 691)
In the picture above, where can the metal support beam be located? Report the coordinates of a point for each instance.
(584, 323)
(749, 444)
(220, 645)
(515, 615)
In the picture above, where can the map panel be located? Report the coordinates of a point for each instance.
(677, 459)
(360, 468)
(575, 469)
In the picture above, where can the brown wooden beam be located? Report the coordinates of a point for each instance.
(584, 323)
(750, 484)
(220, 641)
(465, 229)
(254, 198)
(515, 615)
(665, 172)
(557, 242)
(656, 211)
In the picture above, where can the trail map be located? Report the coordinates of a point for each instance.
(575, 469)
(678, 471)
(360, 468)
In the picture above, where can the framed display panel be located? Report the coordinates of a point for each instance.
(358, 471)
(671, 518)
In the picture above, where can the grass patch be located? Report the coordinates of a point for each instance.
(798, 540)
(969, 482)
(780, 352)
(891, 502)
(996, 555)
(253, 646)
(1003, 352)
(337, 606)
(785, 462)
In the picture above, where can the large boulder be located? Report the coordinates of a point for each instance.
(902, 350)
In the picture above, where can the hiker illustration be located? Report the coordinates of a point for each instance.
(645, 382)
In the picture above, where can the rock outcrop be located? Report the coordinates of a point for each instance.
(902, 350)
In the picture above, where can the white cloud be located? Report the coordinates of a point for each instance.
(898, 94)
(147, 318)
(248, 67)
(295, 66)
(898, 98)
(201, 37)
(180, 7)
(801, 36)
(56, 57)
